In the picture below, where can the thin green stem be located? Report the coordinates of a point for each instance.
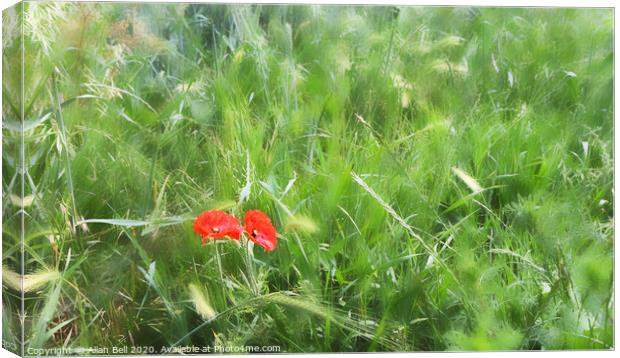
(219, 268)
(65, 148)
(249, 266)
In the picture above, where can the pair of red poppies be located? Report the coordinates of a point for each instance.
(217, 224)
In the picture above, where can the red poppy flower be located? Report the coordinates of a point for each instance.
(259, 228)
(217, 224)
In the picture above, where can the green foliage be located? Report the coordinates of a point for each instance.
(441, 178)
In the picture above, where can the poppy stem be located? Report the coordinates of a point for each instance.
(249, 265)
(219, 263)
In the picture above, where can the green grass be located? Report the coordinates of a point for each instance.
(441, 178)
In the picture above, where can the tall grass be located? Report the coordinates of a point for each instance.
(440, 178)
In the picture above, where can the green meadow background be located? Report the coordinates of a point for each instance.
(440, 178)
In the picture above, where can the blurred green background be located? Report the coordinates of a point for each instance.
(441, 178)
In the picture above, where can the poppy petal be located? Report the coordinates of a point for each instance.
(265, 241)
(260, 230)
(217, 224)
